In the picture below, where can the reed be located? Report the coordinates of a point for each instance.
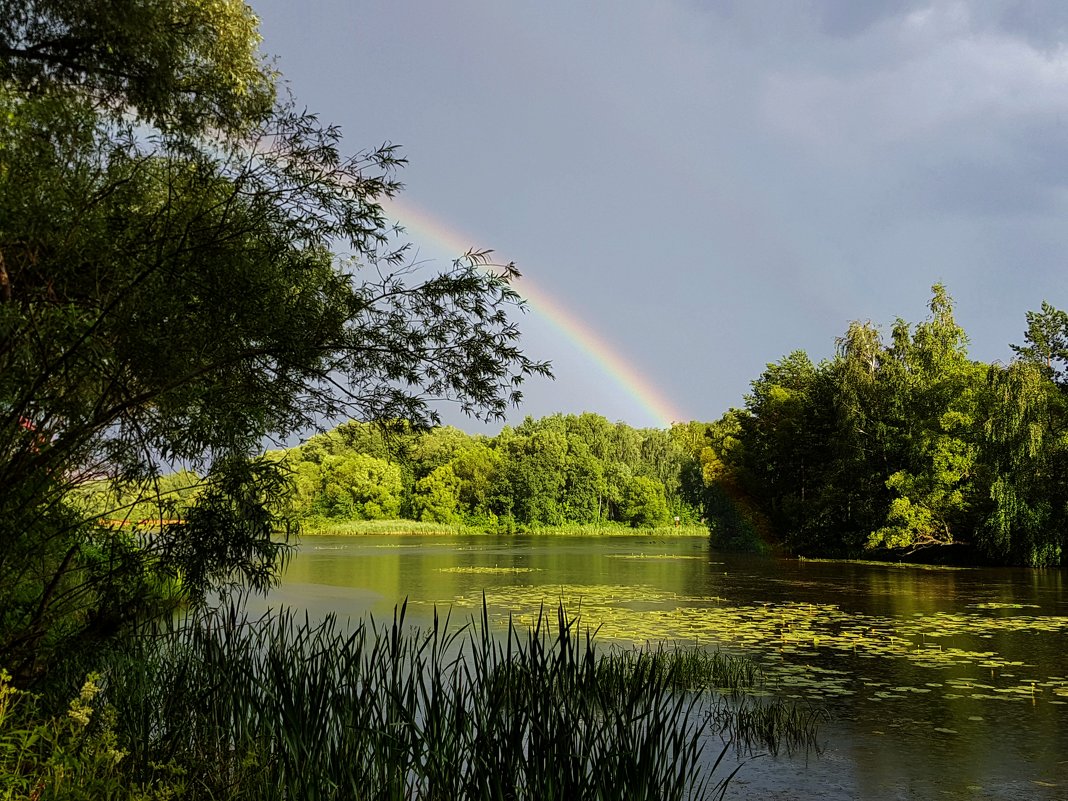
(281, 708)
(772, 724)
(619, 529)
(731, 697)
(220, 706)
(320, 526)
(682, 669)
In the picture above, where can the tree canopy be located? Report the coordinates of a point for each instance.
(188, 264)
(559, 470)
(901, 445)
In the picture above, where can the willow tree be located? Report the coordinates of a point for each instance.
(1026, 445)
(188, 264)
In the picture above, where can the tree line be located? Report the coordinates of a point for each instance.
(900, 444)
(895, 446)
(558, 470)
(900, 447)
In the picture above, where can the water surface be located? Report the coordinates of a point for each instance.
(940, 683)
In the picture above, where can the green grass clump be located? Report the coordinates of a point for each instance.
(684, 669)
(320, 526)
(773, 724)
(281, 708)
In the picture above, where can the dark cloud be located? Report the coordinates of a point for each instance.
(848, 18)
(974, 188)
(703, 167)
(1043, 23)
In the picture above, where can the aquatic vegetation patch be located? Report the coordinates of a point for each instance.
(773, 725)
(490, 570)
(672, 557)
(790, 638)
(888, 564)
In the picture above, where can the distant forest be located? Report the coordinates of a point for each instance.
(558, 470)
(890, 448)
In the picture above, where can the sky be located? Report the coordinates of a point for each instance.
(695, 189)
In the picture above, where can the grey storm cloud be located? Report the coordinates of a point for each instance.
(710, 185)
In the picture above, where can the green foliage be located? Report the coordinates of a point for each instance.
(533, 473)
(944, 394)
(437, 496)
(279, 708)
(476, 468)
(1047, 341)
(644, 503)
(73, 755)
(1026, 448)
(563, 470)
(183, 65)
(189, 264)
(899, 445)
(360, 487)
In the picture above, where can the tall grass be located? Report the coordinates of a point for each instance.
(684, 668)
(222, 707)
(732, 697)
(772, 724)
(620, 529)
(280, 708)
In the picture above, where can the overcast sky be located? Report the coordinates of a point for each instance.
(707, 186)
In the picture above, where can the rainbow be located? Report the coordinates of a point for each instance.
(422, 227)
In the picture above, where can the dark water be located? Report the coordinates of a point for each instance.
(940, 684)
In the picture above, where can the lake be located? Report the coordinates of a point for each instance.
(939, 683)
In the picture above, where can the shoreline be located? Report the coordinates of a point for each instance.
(358, 528)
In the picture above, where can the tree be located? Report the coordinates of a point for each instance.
(360, 487)
(935, 485)
(881, 447)
(665, 460)
(438, 447)
(437, 496)
(584, 484)
(1026, 449)
(533, 474)
(1047, 338)
(781, 451)
(644, 503)
(476, 468)
(182, 66)
(188, 265)
(714, 481)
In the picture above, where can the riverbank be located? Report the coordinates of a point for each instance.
(317, 527)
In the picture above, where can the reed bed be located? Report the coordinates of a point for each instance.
(320, 526)
(220, 706)
(686, 668)
(620, 529)
(774, 724)
(280, 708)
